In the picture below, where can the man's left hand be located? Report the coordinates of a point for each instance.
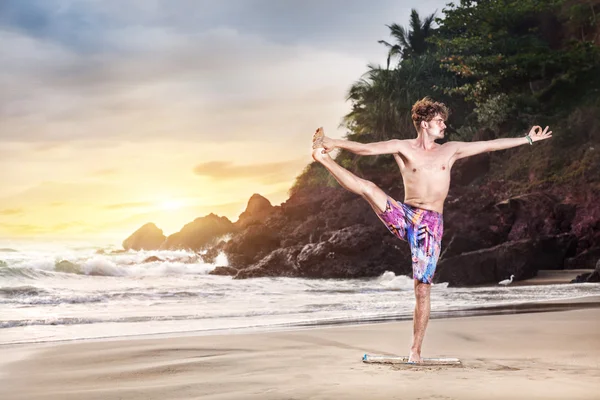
(536, 133)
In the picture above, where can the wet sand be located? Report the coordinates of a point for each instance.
(547, 355)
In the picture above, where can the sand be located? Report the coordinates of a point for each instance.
(550, 355)
(552, 277)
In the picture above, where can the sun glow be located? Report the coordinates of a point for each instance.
(171, 205)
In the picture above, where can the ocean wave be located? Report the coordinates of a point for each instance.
(20, 272)
(31, 295)
(389, 280)
(98, 265)
(138, 319)
(21, 291)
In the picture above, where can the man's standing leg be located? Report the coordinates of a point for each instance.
(420, 319)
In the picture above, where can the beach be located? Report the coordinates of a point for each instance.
(543, 355)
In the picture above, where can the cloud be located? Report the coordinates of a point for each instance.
(189, 88)
(33, 229)
(105, 172)
(269, 173)
(11, 211)
(185, 69)
(128, 205)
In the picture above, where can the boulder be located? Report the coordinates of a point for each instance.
(152, 259)
(251, 245)
(257, 210)
(224, 270)
(356, 251)
(148, 237)
(211, 253)
(594, 277)
(352, 252)
(521, 258)
(281, 262)
(200, 233)
(538, 214)
(67, 267)
(582, 278)
(584, 260)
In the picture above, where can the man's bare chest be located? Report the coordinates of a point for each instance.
(431, 163)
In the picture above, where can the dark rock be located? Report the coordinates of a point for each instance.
(148, 237)
(594, 277)
(309, 230)
(520, 258)
(281, 262)
(152, 259)
(122, 251)
(257, 210)
(585, 260)
(581, 278)
(211, 253)
(468, 170)
(461, 242)
(224, 270)
(354, 252)
(199, 234)
(564, 215)
(250, 245)
(67, 267)
(534, 215)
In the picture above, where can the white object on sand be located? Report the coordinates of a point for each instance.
(506, 281)
(384, 359)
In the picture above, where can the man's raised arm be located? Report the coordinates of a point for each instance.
(467, 149)
(363, 149)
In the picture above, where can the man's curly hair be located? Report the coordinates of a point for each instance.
(426, 109)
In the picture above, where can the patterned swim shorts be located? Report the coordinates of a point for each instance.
(422, 229)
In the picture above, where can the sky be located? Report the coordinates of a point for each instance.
(115, 113)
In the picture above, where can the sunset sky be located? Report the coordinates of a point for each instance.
(117, 113)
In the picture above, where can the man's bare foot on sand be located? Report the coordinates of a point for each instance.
(414, 357)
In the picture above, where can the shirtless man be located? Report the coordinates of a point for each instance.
(425, 168)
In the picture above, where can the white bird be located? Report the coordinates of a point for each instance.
(506, 281)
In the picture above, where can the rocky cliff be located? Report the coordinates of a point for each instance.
(327, 232)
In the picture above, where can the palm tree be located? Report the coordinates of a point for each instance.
(382, 99)
(409, 42)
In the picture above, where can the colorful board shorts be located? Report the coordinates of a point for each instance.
(422, 229)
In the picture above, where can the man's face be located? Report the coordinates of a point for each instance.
(436, 127)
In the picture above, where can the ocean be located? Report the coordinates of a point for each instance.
(99, 294)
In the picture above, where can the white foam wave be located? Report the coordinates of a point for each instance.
(101, 266)
(131, 263)
(391, 281)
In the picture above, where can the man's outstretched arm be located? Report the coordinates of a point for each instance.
(467, 149)
(370, 149)
(363, 149)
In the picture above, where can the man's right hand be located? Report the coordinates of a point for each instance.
(322, 141)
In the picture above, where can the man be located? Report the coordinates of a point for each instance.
(425, 168)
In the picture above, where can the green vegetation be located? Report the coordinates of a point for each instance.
(501, 66)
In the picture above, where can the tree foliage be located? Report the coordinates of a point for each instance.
(514, 47)
(498, 64)
(496, 60)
